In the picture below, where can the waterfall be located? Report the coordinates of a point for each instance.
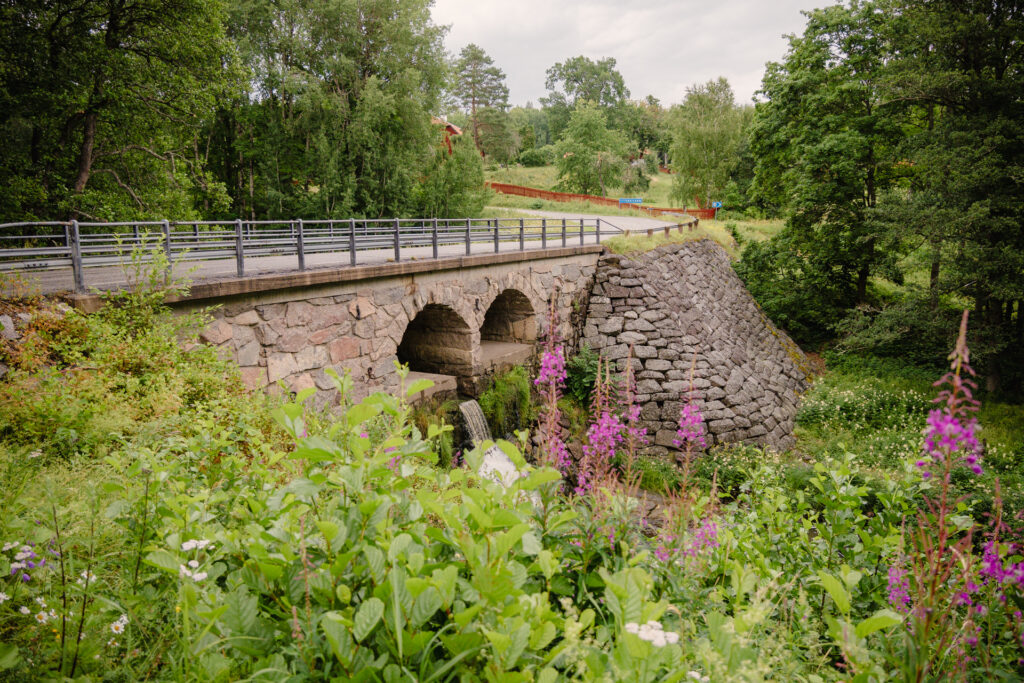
(476, 423)
(496, 465)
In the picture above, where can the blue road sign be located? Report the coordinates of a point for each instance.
(630, 200)
(716, 205)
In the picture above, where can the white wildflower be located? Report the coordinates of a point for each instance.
(199, 576)
(4, 597)
(41, 602)
(633, 628)
(194, 564)
(12, 544)
(117, 628)
(24, 610)
(35, 454)
(42, 617)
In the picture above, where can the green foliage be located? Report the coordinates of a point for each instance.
(581, 374)
(590, 156)
(453, 185)
(578, 80)
(99, 105)
(533, 157)
(507, 403)
(707, 131)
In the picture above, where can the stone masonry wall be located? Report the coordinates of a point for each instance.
(683, 304)
(294, 335)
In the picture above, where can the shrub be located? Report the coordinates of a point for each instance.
(507, 403)
(581, 373)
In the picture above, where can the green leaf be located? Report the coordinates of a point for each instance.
(418, 386)
(504, 542)
(334, 627)
(883, 618)
(8, 656)
(367, 617)
(426, 605)
(836, 590)
(161, 559)
(361, 412)
(531, 546)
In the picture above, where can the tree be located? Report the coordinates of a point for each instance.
(102, 104)
(453, 183)
(337, 119)
(590, 157)
(825, 143)
(959, 72)
(577, 80)
(707, 131)
(478, 84)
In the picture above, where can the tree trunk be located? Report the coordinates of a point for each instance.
(862, 283)
(85, 153)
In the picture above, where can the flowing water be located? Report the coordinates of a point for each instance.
(476, 423)
(496, 463)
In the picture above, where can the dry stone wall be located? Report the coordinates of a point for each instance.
(682, 305)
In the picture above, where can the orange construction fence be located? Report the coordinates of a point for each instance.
(534, 193)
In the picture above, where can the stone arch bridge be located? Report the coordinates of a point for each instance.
(454, 320)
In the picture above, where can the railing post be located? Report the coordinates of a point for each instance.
(563, 232)
(496, 228)
(398, 254)
(167, 249)
(433, 235)
(468, 228)
(239, 249)
(597, 230)
(352, 241)
(581, 232)
(522, 235)
(76, 257)
(300, 244)
(543, 233)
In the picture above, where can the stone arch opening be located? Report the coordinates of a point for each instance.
(508, 331)
(439, 343)
(510, 318)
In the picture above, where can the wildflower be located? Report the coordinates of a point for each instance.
(552, 368)
(86, 578)
(198, 544)
(41, 602)
(899, 588)
(194, 564)
(42, 617)
(24, 610)
(117, 628)
(8, 546)
(695, 676)
(652, 632)
(691, 426)
(4, 597)
(111, 643)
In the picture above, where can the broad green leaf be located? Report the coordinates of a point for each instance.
(504, 541)
(161, 559)
(426, 605)
(334, 626)
(531, 546)
(361, 412)
(367, 617)
(836, 590)
(418, 386)
(883, 618)
(8, 656)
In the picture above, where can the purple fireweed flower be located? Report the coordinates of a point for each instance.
(691, 427)
(705, 536)
(602, 438)
(552, 368)
(899, 588)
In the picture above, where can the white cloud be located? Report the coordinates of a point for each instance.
(661, 47)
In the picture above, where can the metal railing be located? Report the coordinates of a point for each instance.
(80, 246)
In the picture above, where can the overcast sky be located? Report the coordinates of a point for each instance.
(661, 46)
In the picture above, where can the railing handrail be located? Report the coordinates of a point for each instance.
(57, 245)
